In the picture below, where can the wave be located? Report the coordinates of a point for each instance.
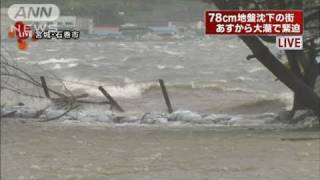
(133, 89)
(61, 60)
(130, 90)
(255, 69)
(20, 58)
(56, 66)
(253, 100)
(72, 65)
(258, 106)
(242, 78)
(177, 118)
(177, 67)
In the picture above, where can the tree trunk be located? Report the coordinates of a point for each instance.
(295, 68)
(297, 85)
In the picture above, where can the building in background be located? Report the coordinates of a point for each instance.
(82, 24)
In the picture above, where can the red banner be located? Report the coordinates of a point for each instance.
(254, 22)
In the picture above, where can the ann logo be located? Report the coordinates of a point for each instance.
(33, 12)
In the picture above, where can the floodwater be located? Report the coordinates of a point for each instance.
(205, 75)
(37, 151)
(223, 126)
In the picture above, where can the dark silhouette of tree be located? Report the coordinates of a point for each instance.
(299, 78)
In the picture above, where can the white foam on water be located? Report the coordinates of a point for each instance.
(20, 58)
(177, 119)
(161, 67)
(286, 97)
(221, 81)
(256, 69)
(125, 59)
(61, 60)
(95, 116)
(72, 65)
(242, 78)
(232, 46)
(56, 66)
(185, 116)
(127, 91)
(130, 90)
(177, 67)
(157, 47)
(135, 90)
(195, 85)
(242, 90)
(122, 45)
(164, 49)
(52, 50)
(174, 53)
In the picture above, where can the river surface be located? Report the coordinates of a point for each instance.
(202, 75)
